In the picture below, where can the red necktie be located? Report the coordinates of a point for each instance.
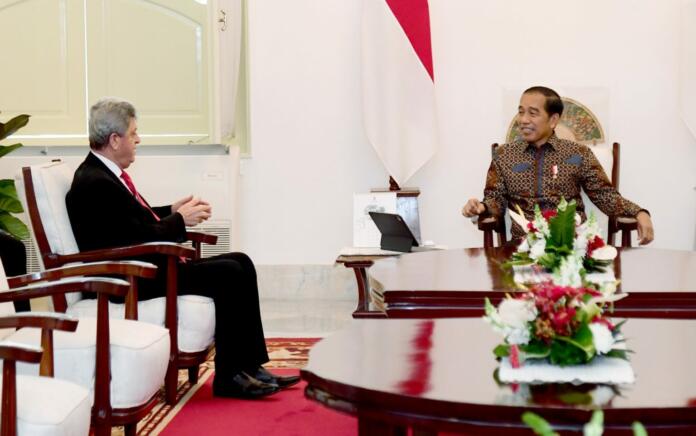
(129, 182)
(131, 187)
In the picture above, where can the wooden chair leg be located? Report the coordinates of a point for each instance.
(170, 382)
(487, 239)
(193, 374)
(130, 429)
(625, 238)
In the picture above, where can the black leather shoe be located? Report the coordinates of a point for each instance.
(242, 385)
(261, 374)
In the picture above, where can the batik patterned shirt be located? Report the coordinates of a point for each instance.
(522, 174)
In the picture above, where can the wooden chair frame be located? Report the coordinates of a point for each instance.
(12, 353)
(489, 224)
(70, 279)
(173, 252)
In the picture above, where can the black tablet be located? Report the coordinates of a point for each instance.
(396, 235)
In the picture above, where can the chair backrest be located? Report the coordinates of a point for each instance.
(42, 188)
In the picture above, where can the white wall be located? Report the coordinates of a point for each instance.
(309, 152)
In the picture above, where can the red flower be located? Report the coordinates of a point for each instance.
(594, 244)
(548, 214)
(514, 356)
(562, 319)
(604, 321)
(530, 226)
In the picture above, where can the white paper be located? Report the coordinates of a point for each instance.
(365, 232)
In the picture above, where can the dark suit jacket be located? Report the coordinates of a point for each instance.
(104, 213)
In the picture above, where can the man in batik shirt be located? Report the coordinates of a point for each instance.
(541, 169)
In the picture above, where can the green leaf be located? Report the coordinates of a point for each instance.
(638, 429)
(13, 226)
(562, 227)
(535, 350)
(13, 125)
(620, 354)
(576, 398)
(566, 353)
(538, 424)
(596, 425)
(9, 200)
(502, 350)
(5, 149)
(583, 340)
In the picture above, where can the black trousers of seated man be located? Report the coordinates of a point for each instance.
(230, 280)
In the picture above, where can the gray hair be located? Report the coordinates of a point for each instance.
(108, 115)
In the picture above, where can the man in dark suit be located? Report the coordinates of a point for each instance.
(106, 211)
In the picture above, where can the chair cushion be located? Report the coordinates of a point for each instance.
(196, 317)
(48, 406)
(139, 357)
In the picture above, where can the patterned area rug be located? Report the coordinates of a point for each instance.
(283, 352)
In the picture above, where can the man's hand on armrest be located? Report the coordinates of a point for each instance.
(473, 207)
(645, 228)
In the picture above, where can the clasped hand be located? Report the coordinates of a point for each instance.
(194, 210)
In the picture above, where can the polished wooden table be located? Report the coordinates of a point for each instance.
(452, 283)
(439, 375)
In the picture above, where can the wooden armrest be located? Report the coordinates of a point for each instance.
(488, 223)
(20, 352)
(100, 285)
(123, 267)
(624, 221)
(205, 238)
(164, 248)
(43, 320)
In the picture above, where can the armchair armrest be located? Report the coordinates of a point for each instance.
(130, 251)
(205, 238)
(489, 224)
(47, 322)
(43, 320)
(123, 267)
(15, 352)
(197, 239)
(100, 285)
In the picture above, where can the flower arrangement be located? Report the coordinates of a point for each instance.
(558, 242)
(564, 325)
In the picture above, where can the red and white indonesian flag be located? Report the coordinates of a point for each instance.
(397, 78)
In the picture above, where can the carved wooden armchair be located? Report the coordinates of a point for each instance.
(121, 362)
(189, 318)
(609, 159)
(46, 405)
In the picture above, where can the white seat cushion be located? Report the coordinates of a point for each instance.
(48, 406)
(196, 317)
(139, 356)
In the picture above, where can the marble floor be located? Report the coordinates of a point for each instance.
(285, 318)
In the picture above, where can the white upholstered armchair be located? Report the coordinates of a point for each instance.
(189, 318)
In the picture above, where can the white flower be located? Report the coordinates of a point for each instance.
(516, 313)
(537, 249)
(568, 273)
(604, 253)
(518, 336)
(602, 338)
(523, 247)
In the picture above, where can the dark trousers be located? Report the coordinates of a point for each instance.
(14, 260)
(230, 280)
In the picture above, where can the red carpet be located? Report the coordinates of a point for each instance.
(286, 413)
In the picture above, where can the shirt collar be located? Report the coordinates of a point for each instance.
(552, 143)
(111, 165)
